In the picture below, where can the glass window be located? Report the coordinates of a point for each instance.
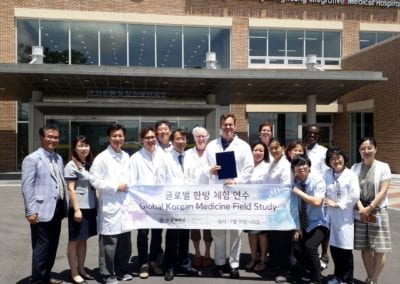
(54, 35)
(169, 46)
(132, 139)
(23, 111)
(220, 44)
(362, 125)
(95, 131)
(195, 46)
(141, 45)
(113, 44)
(382, 36)
(276, 43)
(258, 46)
(22, 143)
(27, 35)
(295, 43)
(331, 44)
(367, 39)
(314, 43)
(84, 43)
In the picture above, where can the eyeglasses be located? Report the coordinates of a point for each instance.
(149, 138)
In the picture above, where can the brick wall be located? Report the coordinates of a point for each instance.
(8, 136)
(383, 57)
(241, 121)
(240, 10)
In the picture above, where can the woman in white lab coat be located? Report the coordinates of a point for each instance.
(258, 238)
(196, 172)
(280, 242)
(342, 193)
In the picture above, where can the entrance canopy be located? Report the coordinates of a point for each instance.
(70, 83)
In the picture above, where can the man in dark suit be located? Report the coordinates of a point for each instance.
(43, 190)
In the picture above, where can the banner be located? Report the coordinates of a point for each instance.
(215, 206)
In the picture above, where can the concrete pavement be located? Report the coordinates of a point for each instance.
(15, 253)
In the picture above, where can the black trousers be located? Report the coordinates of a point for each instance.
(307, 251)
(344, 263)
(280, 249)
(44, 238)
(176, 247)
(143, 245)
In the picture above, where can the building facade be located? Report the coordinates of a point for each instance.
(244, 35)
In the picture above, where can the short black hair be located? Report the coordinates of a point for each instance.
(158, 123)
(45, 127)
(145, 130)
(181, 132)
(114, 127)
(300, 160)
(335, 151)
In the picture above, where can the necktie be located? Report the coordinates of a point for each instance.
(303, 210)
(180, 159)
(56, 171)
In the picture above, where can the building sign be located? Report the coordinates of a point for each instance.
(126, 94)
(378, 3)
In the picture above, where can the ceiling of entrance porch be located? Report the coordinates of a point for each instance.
(73, 82)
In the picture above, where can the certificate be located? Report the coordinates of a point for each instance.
(227, 162)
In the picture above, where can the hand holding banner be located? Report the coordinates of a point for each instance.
(245, 206)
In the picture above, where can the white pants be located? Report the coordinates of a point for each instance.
(219, 237)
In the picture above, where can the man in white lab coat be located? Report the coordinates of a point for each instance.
(229, 141)
(109, 174)
(176, 257)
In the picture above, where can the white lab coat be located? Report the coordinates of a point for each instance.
(259, 173)
(317, 156)
(279, 172)
(244, 168)
(243, 157)
(345, 191)
(196, 168)
(145, 166)
(109, 169)
(171, 171)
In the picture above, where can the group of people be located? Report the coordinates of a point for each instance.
(339, 208)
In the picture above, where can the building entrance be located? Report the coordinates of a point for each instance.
(95, 129)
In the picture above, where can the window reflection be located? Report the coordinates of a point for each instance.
(27, 35)
(141, 45)
(220, 44)
(196, 46)
(291, 47)
(107, 44)
(54, 41)
(113, 44)
(169, 46)
(314, 43)
(84, 44)
(295, 46)
(331, 44)
(276, 44)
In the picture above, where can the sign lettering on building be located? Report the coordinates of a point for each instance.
(128, 94)
(378, 3)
